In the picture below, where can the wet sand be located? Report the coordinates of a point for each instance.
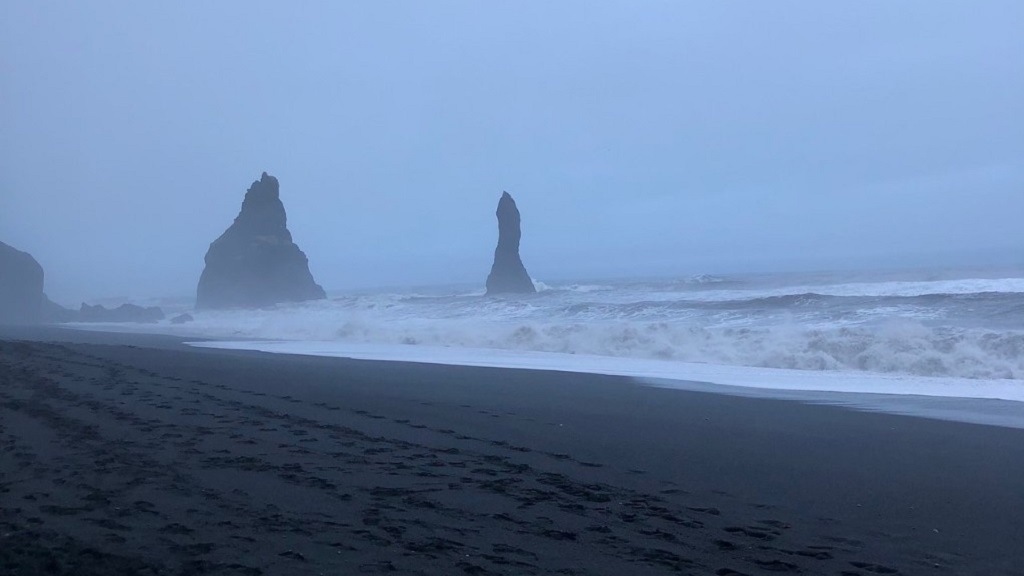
(131, 454)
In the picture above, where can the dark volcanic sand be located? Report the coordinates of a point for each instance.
(159, 459)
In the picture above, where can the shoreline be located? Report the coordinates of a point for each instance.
(206, 459)
(992, 402)
(980, 409)
(1005, 409)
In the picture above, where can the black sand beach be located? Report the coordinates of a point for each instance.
(128, 454)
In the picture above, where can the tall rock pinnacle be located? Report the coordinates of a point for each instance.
(255, 263)
(508, 275)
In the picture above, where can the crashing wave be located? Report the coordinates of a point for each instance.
(951, 328)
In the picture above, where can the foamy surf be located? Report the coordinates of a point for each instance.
(990, 402)
(934, 335)
(652, 371)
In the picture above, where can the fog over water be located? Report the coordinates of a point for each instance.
(662, 139)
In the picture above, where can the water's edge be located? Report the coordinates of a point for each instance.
(993, 403)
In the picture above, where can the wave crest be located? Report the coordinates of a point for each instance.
(900, 348)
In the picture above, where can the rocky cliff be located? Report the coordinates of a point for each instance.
(21, 287)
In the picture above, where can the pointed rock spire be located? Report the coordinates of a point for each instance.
(508, 275)
(255, 263)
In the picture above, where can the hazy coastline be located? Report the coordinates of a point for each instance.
(511, 289)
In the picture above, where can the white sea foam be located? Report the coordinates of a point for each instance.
(811, 327)
(891, 347)
(659, 372)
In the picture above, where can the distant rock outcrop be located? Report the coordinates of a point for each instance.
(182, 319)
(21, 287)
(255, 263)
(55, 313)
(123, 313)
(508, 275)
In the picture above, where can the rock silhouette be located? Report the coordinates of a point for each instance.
(54, 313)
(21, 287)
(508, 275)
(123, 313)
(255, 263)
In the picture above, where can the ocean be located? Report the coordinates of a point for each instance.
(954, 333)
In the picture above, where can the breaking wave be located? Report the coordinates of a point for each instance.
(965, 328)
(897, 347)
(901, 348)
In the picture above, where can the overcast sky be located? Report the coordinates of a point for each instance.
(658, 137)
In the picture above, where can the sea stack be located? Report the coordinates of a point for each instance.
(508, 275)
(255, 263)
(21, 287)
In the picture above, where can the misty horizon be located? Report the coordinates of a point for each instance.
(672, 141)
(466, 287)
